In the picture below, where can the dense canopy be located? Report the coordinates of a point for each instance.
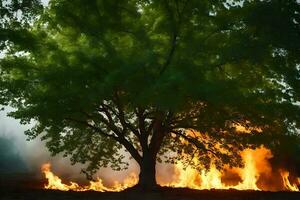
(101, 76)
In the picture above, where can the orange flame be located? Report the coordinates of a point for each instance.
(55, 183)
(255, 164)
(212, 178)
(287, 184)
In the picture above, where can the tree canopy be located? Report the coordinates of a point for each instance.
(145, 75)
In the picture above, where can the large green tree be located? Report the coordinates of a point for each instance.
(99, 77)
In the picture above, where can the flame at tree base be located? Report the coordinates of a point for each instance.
(256, 164)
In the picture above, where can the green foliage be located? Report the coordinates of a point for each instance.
(100, 76)
(15, 17)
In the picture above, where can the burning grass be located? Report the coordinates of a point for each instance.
(257, 174)
(55, 183)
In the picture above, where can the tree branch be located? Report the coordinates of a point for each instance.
(159, 133)
(97, 129)
(194, 141)
(121, 115)
(173, 40)
(171, 53)
(120, 138)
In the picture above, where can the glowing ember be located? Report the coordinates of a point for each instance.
(55, 183)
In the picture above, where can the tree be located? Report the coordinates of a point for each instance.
(154, 77)
(15, 17)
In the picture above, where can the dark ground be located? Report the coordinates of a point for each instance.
(26, 187)
(163, 194)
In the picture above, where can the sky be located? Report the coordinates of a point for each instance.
(45, 2)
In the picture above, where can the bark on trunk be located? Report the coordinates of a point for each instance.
(147, 180)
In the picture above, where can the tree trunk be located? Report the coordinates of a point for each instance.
(147, 180)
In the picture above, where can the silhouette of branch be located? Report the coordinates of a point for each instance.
(193, 141)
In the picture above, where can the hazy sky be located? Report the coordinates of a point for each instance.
(34, 153)
(45, 2)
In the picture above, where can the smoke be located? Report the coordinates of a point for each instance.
(10, 159)
(29, 156)
(11, 141)
(15, 150)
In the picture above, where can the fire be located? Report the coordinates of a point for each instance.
(257, 174)
(212, 178)
(55, 183)
(288, 185)
(256, 166)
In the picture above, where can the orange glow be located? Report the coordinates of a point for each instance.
(242, 129)
(255, 162)
(55, 183)
(287, 184)
(256, 174)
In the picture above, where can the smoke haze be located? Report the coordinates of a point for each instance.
(19, 155)
(31, 153)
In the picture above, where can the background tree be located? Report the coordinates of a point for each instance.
(144, 76)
